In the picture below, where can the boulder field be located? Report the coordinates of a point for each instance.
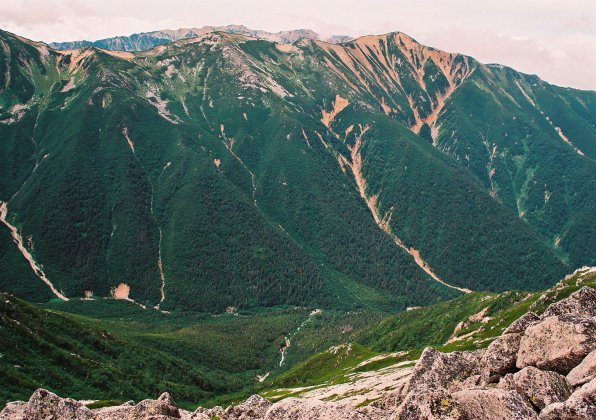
(540, 368)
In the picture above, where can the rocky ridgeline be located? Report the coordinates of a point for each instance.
(541, 367)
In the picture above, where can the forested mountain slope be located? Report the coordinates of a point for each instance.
(228, 171)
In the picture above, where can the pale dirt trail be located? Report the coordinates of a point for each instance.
(356, 165)
(19, 241)
(159, 260)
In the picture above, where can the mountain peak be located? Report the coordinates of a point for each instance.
(147, 40)
(219, 148)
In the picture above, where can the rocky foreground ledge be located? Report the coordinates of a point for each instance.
(541, 367)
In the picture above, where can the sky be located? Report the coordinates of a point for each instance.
(555, 39)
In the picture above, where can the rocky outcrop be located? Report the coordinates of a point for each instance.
(200, 413)
(45, 405)
(436, 370)
(164, 408)
(14, 411)
(558, 343)
(256, 406)
(298, 408)
(429, 406)
(494, 404)
(527, 364)
(581, 303)
(500, 357)
(198, 416)
(580, 406)
(584, 372)
(540, 387)
(522, 323)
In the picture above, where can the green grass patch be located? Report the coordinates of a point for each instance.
(104, 403)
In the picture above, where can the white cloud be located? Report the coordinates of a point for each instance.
(567, 60)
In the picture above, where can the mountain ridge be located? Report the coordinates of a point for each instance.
(240, 111)
(147, 40)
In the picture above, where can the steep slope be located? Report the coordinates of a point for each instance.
(532, 145)
(69, 354)
(227, 171)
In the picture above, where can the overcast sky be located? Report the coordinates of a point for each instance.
(555, 39)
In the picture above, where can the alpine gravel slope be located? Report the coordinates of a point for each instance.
(228, 171)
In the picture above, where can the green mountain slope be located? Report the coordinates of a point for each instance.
(226, 171)
(46, 349)
(383, 354)
(133, 354)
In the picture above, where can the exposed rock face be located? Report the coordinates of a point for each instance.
(542, 388)
(47, 406)
(468, 383)
(254, 408)
(14, 411)
(500, 357)
(297, 408)
(584, 372)
(164, 408)
(557, 343)
(201, 412)
(436, 370)
(434, 405)
(580, 406)
(110, 412)
(582, 303)
(198, 416)
(494, 404)
(522, 323)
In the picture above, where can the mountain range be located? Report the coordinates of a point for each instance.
(147, 40)
(222, 170)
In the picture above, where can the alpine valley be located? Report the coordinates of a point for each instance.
(227, 202)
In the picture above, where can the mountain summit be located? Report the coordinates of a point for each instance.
(224, 170)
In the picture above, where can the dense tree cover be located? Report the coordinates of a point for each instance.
(134, 354)
(538, 162)
(70, 357)
(220, 166)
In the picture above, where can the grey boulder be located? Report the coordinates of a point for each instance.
(522, 323)
(429, 405)
(436, 370)
(14, 411)
(558, 343)
(254, 407)
(500, 357)
(302, 409)
(494, 404)
(542, 388)
(581, 303)
(584, 372)
(580, 406)
(46, 405)
(164, 408)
